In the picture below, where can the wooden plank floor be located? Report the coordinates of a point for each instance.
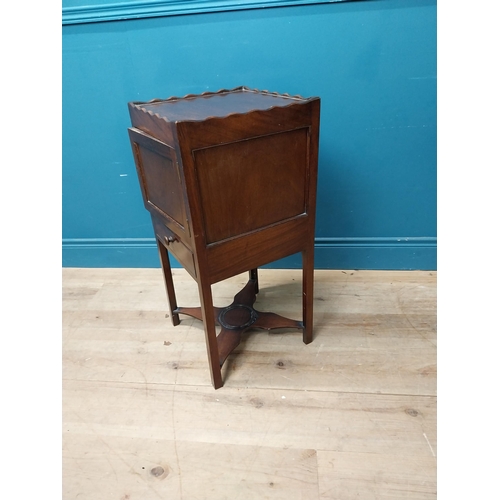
(350, 416)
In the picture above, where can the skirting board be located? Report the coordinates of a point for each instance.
(393, 253)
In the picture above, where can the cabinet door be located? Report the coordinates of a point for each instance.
(160, 180)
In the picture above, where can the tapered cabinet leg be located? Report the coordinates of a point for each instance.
(308, 293)
(169, 284)
(208, 316)
(254, 275)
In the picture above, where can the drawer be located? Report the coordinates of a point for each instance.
(175, 246)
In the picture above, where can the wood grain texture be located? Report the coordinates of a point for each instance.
(352, 415)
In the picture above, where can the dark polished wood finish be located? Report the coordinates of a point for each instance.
(230, 181)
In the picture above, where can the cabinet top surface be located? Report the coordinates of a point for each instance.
(217, 104)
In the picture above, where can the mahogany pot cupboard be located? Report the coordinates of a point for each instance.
(229, 179)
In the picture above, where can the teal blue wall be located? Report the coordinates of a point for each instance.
(372, 62)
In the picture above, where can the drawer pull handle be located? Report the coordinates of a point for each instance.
(170, 239)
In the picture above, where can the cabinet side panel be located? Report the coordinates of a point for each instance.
(160, 178)
(251, 184)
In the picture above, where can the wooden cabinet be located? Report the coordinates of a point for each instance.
(229, 178)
